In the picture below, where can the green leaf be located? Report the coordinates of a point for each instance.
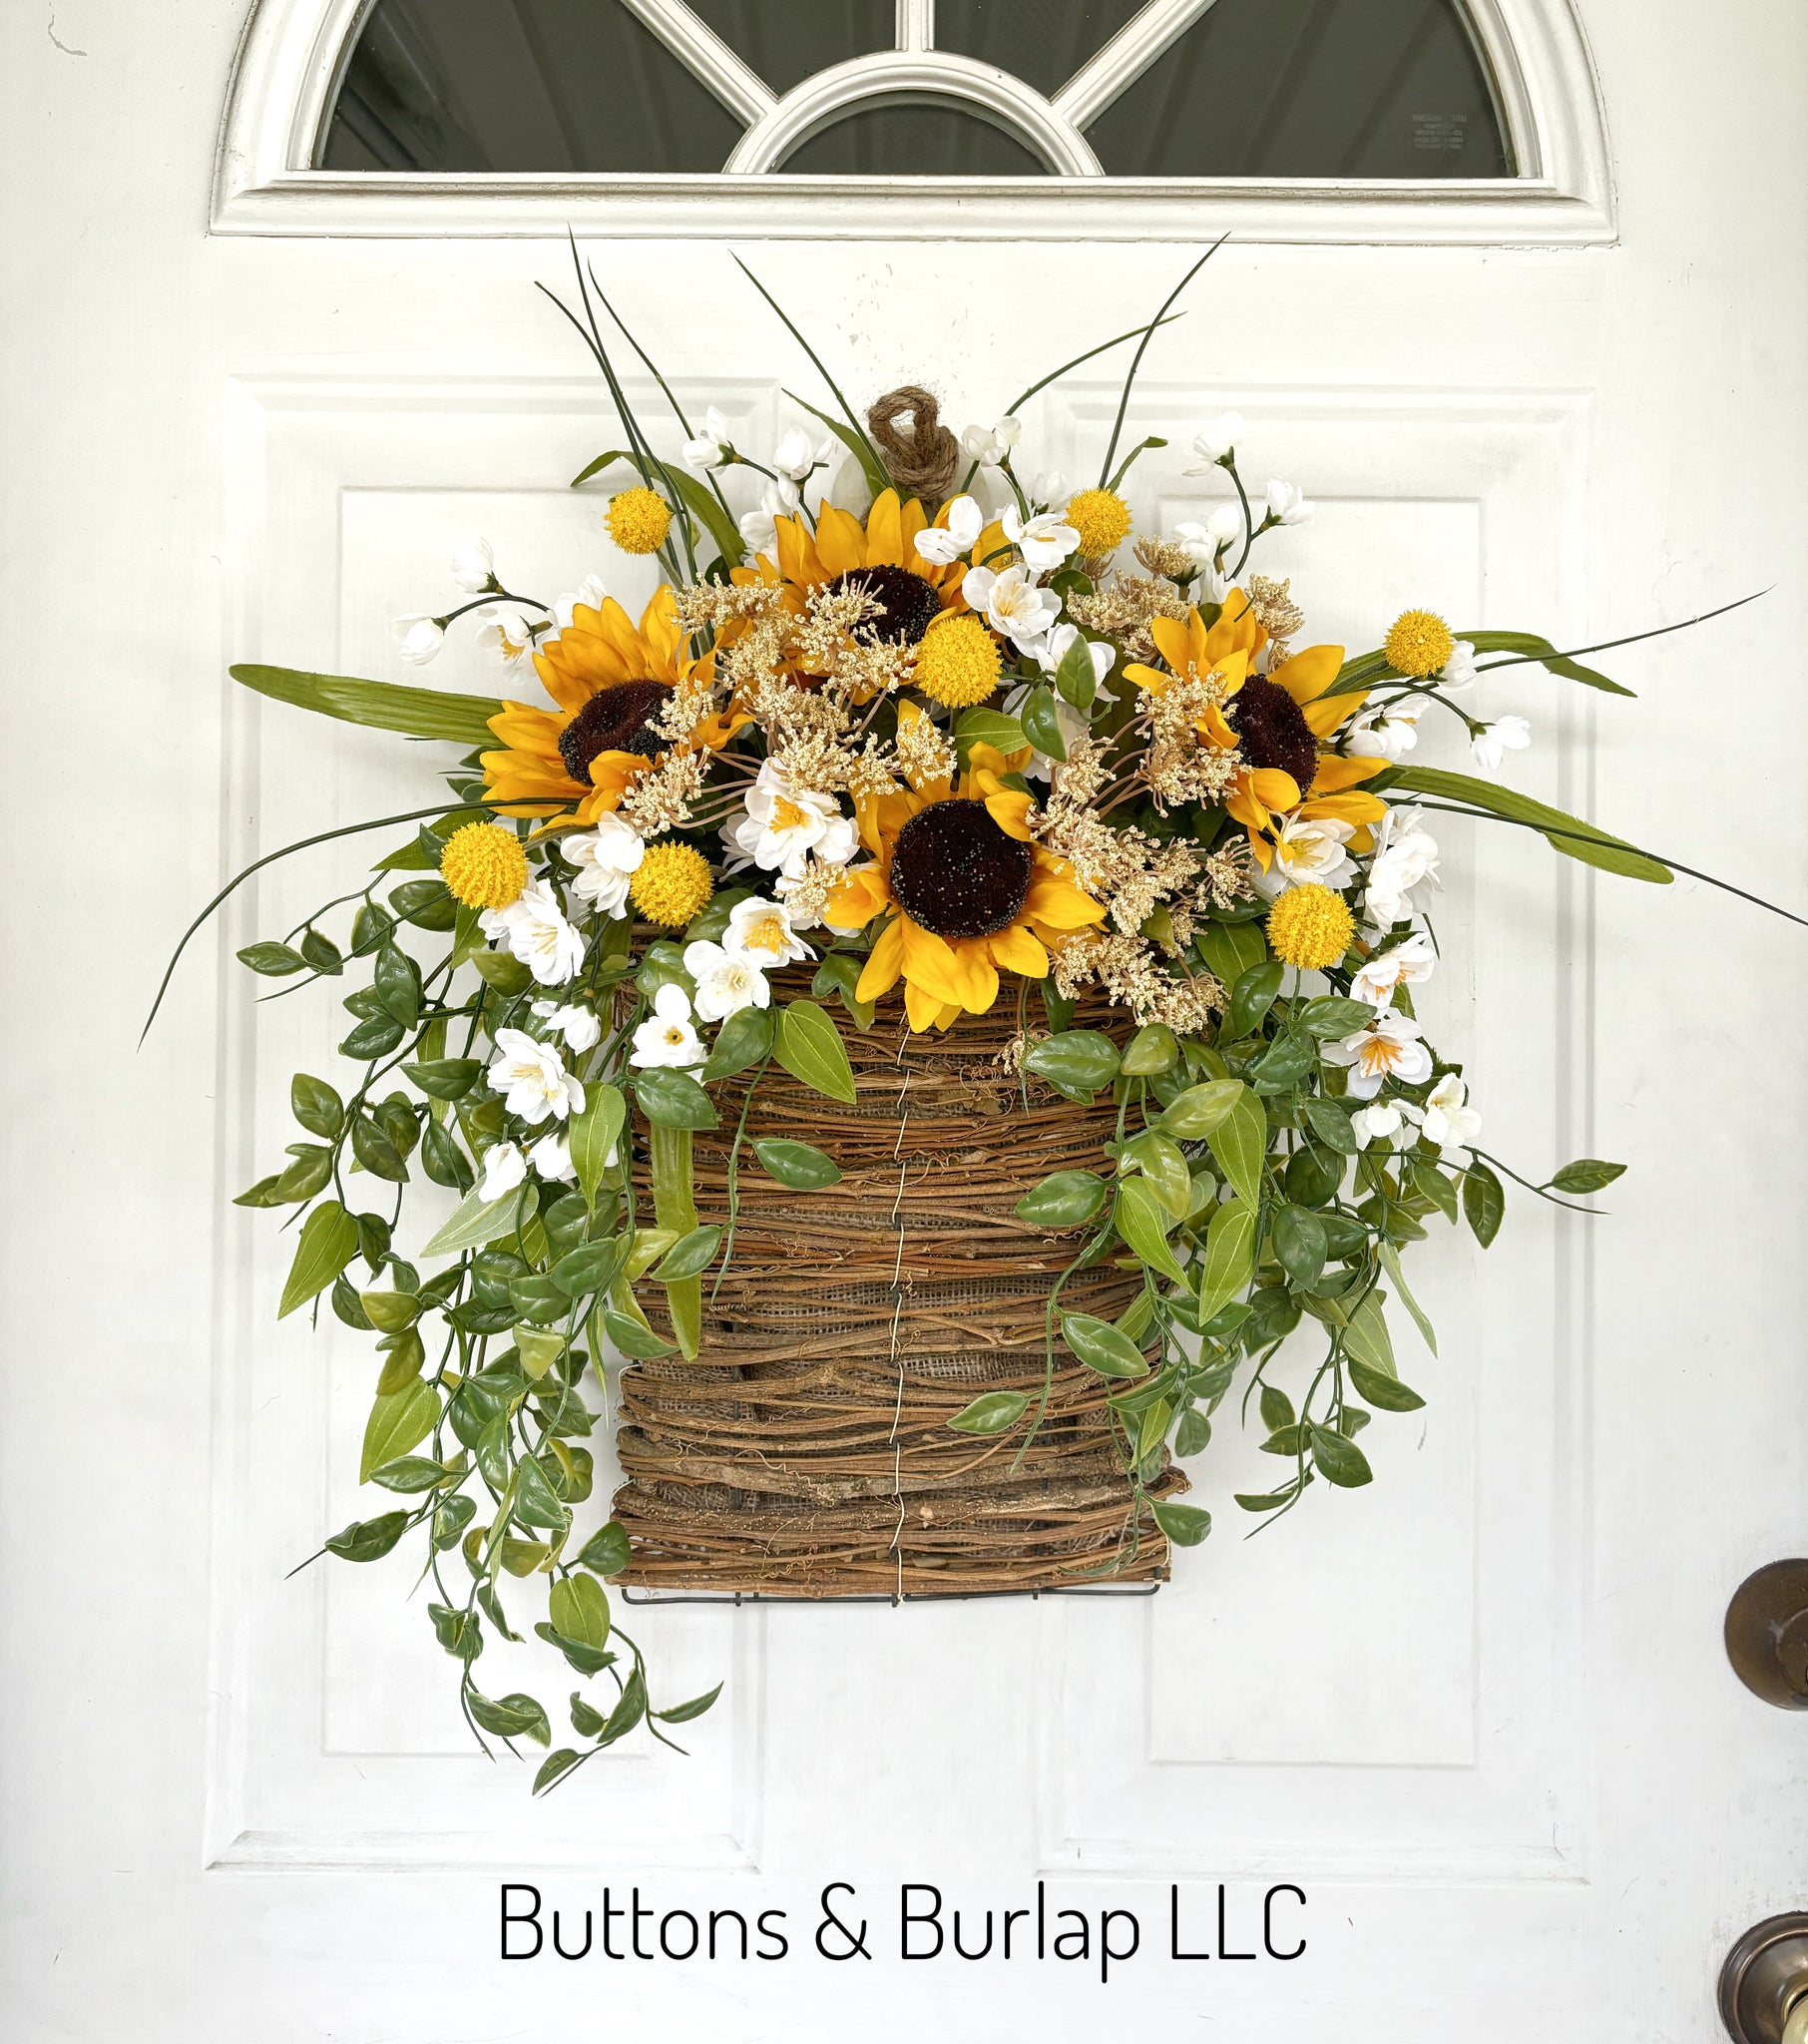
(674, 1099)
(1299, 1244)
(580, 1611)
(1153, 1048)
(1185, 1525)
(1586, 1174)
(369, 1539)
(274, 962)
(800, 1166)
(1547, 655)
(1193, 1434)
(629, 1709)
(743, 1040)
(594, 1136)
(1329, 1121)
(1366, 1339)
(839, 976)
(1386, 1393)
(390, 1312)
(1431, 1183)
(682, 1714)
(690, 1253)
(602, 462)
(1144, 1223)
(1390, 1262)
(1284, 1063)
(1565, 833)
(330, 1241)
(502, 970)
(511, 1717)
(1239, 1144)
(428, 904)
(1077, 1063)
(397, 1423)
(592, 1267)
(376, 1152)
(382, 706)
(1330, 1015)
(474, 1221)
(560, 1764)
(1075, 677)
(316, 1106)
(1041, 721)
(1251, 998)
(1158, 1159)
(705, 506)
(1100, 1346)
(409, 1473)
(1484, 1202)
(1231, 948)
(374, 1038)
(1230, 1257)
(397, 984)
(608, 1550)
(536, 1501)
(1338, 1460)
(445, 1077)
(1278, 1408)
(1195, 1114)
(1065, 1198)
(632, 1338)
(539, 1348)
(988, 727)
(808, 1045)
(990, 1413)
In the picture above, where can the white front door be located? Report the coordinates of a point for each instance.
(1455, 1757)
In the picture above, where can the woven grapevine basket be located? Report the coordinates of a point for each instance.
(807, 1453)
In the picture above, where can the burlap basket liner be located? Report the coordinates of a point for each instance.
(806, 1451)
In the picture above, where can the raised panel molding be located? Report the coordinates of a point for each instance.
(1194, 1733)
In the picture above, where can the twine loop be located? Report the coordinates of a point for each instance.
(923, 460)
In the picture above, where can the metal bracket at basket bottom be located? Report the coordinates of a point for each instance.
(877, 1597)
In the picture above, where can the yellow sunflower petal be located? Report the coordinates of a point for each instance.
(1174, 642)
(857, 898)
(923, 1010)
(1058, 903)
(883, 963)
(929, 961)
(840, 542)
(1008, 809)
(1019, 950)
(1309, 674)
(1357, 806)
(1335, 773)
(885, 532)
(1153, 679)
(797, 559)
(1328, 712)
(975, 976)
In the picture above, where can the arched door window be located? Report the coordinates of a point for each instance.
(966, 89)
(1300, 119)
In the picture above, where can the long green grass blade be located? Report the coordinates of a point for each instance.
(1569, 835)
(384, 705)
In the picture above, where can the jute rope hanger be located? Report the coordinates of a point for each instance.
(923, 463)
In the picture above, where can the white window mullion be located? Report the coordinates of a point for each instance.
(916, 24)
(702, 51)
(1125, 56)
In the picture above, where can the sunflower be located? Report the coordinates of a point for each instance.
(880, 555)
(611, 680)
(1280, 719)
(967, 890)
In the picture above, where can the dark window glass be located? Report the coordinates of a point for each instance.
(787, 41)
(1253, 89)
(911, 140)
(1310, 89)
(521, 85)
(1043, 42)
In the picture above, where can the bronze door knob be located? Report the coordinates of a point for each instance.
(1767, 1634)
(1764, 1983)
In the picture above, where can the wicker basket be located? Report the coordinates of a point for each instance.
(807, 1453)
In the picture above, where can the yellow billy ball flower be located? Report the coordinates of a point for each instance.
(1102, 519)
(1418, 644)
(484, 866)
(1310, 927)
(671, 884)
(639, 520)
(957, 661)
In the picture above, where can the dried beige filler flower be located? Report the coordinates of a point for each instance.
(1166, 557)
(1123, 611)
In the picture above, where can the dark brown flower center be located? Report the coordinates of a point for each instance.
(618, 721)
(955, 871)
(908, 605)
(1272, 729)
